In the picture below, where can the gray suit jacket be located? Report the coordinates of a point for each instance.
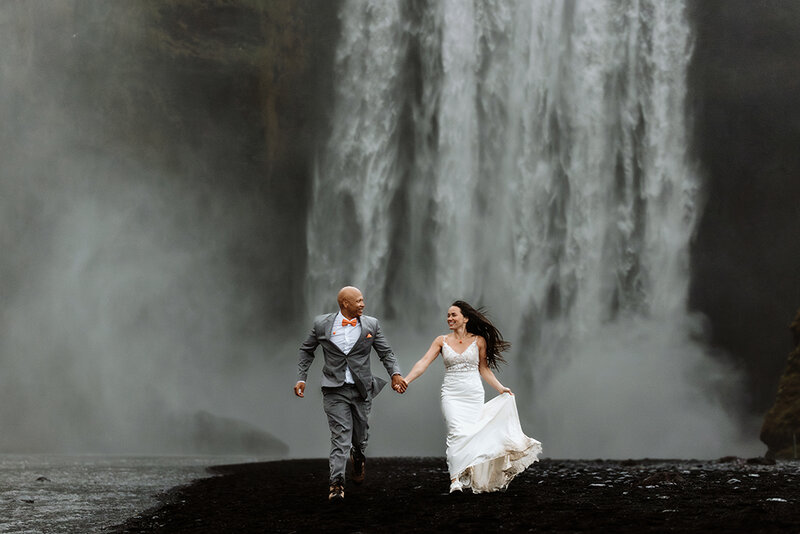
(357, 359)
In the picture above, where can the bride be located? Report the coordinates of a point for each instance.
(486, 447)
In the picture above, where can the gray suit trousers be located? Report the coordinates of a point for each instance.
(347, 413)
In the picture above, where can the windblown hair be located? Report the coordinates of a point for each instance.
(480, 325)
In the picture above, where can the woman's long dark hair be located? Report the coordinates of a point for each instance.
(480, 325)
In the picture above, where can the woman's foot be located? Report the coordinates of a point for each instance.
(455, 485)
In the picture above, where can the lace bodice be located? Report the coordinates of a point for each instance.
(457, 363)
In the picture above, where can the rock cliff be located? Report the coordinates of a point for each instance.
(228, 97)
(782, 423)
(743, 92)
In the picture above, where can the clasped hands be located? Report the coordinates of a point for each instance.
(399, 384)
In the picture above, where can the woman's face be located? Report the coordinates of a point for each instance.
(455, 319)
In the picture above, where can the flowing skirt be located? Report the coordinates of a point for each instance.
(486, 447)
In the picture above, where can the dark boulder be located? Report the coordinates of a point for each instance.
(206, 433)
(781, 428)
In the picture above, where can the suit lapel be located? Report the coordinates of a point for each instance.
(363, 336)
(327, 325)
(327, 329)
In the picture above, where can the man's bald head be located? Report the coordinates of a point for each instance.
(351, 301)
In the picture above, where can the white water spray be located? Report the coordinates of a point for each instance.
(547, 177)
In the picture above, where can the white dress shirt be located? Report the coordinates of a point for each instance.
(345, 337)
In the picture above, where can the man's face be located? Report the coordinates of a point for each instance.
(353, 303)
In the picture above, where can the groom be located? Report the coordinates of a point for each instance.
(348, 386)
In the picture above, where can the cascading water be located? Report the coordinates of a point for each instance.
(532, 157)
(354, 189)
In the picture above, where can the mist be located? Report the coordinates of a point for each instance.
(129, 302)
(171, 175)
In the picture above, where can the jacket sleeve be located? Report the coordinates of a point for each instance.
(384, 351)
(306, 356)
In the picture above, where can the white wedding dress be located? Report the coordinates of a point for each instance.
(486, 447)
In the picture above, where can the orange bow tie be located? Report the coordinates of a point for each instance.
(352, 322)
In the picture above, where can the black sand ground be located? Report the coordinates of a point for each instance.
(411, 495)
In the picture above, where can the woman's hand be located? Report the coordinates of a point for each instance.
(506, 390)
(399, 384)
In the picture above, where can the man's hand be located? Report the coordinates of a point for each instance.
(299, 388)
(399, 384)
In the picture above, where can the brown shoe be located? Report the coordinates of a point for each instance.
(336, 492)
(359, 467)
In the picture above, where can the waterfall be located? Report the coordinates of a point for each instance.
(349, 229)
(532, 157)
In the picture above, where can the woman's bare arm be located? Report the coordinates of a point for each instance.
(486, 372)
(425, 361)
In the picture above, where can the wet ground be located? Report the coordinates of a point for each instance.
(411, 495)
(85, 494)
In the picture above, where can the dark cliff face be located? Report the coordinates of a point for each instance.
(156, 159)
(745, 94)
(782, 422)
(228, 97)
